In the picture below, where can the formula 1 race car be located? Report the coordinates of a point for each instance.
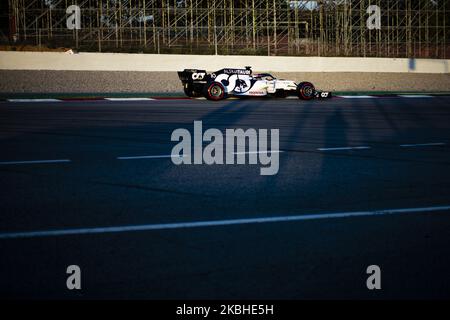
(243, 83)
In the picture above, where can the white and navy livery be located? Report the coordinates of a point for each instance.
(243, 83)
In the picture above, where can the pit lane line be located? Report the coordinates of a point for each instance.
(162, 156)
(344, 148)
(218, 223)
(36, 162)
(432, 144)
(165, 156)
(414, 145)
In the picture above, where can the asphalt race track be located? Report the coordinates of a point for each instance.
(71, 166)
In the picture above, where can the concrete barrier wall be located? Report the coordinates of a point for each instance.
(152, 62)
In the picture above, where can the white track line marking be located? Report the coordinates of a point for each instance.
(149, 157)
(129, 99)
(203, 98)
(34, 100)
(35, 162)
(344, 148)
(163, 156)
(423, 144)
(357, 97)
(257, 152)
(216, 223)
(414, 96)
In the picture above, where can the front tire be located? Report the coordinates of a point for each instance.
(215, 91)
(306, 91)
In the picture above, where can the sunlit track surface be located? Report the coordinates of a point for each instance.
(107, 164)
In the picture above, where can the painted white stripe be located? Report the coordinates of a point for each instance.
(423, 144)
(129, 99)
(357, 97)
(344, 148)
(257, 152)
(217, 223)
(35, 162)
(33, 100)
(414, 96)
(162, 156)
(230, 98)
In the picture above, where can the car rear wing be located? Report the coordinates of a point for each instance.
(192, 75)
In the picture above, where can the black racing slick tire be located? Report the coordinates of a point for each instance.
(190, 92)
(214, 91)
(306, 91)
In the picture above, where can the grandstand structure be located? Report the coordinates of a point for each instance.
(409, 28)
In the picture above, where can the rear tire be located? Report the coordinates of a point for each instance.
(214, 91)
(190, 92)
(306, 91)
